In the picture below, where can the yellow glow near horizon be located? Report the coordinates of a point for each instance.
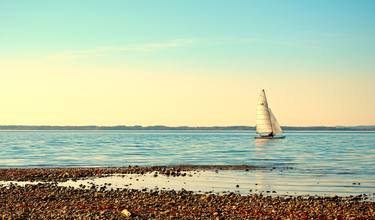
(38, 93)
(186, 63)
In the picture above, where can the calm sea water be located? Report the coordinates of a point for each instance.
(313, 159)
(327, 152)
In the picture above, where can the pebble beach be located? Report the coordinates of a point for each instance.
(47, 200)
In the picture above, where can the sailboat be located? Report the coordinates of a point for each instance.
(267, 126)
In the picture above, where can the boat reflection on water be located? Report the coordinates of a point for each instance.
(261, 143)
(259, 174)
(263, 178)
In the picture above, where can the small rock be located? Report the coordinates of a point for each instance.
(126, 213)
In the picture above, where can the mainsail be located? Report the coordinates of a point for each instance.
(265, 119)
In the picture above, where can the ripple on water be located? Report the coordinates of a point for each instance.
(342, 156)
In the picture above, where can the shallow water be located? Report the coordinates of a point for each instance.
(258, 181)
(243, 182)
(316, 161)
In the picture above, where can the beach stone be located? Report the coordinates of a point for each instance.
(126, 213)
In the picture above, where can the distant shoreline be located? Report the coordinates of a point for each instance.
(161, 127)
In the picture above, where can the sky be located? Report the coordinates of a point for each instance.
(186, 62)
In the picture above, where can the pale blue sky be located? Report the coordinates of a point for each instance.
(54, 25)
(327, 41)
(280, 32)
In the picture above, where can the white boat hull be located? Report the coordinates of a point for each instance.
(269, 137)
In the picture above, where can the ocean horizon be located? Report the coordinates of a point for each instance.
(164, 127)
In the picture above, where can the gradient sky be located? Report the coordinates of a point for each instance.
(192, 62)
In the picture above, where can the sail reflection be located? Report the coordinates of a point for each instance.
(259, 174)
(262, 142)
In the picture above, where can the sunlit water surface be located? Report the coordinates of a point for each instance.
(304, 163)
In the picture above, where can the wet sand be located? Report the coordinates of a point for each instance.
(50, 201)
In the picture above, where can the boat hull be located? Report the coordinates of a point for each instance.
(269, 137)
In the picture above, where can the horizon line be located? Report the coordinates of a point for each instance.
(186, 126)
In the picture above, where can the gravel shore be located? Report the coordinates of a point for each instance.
(49, 201)
(63, 174)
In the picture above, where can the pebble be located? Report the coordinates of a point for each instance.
(126, 213)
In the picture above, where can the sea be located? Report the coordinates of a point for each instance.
(305, 162)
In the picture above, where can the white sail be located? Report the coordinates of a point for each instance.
(263, 118)
(275, 124)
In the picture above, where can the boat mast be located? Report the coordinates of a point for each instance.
(269, 115)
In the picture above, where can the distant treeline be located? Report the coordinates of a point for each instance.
(161, 127)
